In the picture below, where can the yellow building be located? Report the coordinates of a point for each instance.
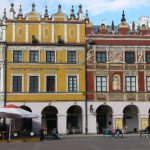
(46, 68)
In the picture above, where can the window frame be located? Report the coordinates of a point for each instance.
(21, 86)
(101, 57)
(146, 59)
(147, 86)
(101, 84)
(34, 56)
(69, 60)
(34, 91)
(130, 84)
(76, 86)
(17, 61)
(50, 57)
(128, 58)
(47, 83)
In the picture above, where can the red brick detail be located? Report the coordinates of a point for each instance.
(121, 42)
(90, 81)
(90, 97)
(111, 74)
(103, 31)
(123, 30)
(88, 30)
(141, 81)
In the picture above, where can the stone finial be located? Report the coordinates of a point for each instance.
(20, 12)
(123, 19)
(33, 7)
(59, 8)
(80, 9)
(87, 16)
(4, 14)
(72, 15)
(46, 12)
(112, 26)
(133, 26)
(12, 9)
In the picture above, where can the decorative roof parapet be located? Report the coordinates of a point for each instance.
(33, 7)
(12, 10)
(72, 15)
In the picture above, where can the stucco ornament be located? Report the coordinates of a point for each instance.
(116, 82)
(90, 56)
(140, 56)
(115, 56)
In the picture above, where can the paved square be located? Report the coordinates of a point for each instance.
(83, 143)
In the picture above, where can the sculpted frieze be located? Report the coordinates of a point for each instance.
(131, 73)
(115, 56)
(102, 73)
(140, 56)
(116, 97)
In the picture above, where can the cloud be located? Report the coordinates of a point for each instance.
(95, 7)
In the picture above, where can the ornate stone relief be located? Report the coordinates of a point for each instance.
(116, 82)
(102, 73)
(140, 56)
(115, 56)
(101, 97)
(141, 97)
(90, 56)
(116, 97)
(131, 73)
(131, 97)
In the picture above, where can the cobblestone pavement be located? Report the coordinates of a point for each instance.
(83, 143)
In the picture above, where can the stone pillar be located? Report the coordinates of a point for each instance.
(92, 126)
(83, 123)
(36, 123)
(143, 121)
(62, 123)
(118, 121)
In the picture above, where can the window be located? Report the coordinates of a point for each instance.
(129, 57)
(34, 56)
(17, 56)
(71, 56)
(101, 57)
(72, 83)
(131, 84)
(50, 56)
(147, 57)
(17, 83)
(33, 85)
(148, 84)
(101, 84)
(50, 84)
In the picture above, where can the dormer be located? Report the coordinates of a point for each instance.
(33, 15)
(59, 16)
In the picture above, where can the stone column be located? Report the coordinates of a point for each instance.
(92, 126)
(62, 123)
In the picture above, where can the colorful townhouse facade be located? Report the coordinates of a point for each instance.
(46, 68)
(118, 76)
(78, 78)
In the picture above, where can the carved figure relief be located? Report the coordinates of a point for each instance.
(116, 82)
(90, 56)
(115, 56)
(140, 56)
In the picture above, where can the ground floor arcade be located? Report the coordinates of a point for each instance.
(70, 117)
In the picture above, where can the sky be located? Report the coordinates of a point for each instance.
(97, 9)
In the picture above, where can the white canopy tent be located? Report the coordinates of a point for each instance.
(12, 112)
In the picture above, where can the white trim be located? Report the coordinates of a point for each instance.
(28, 79)
(53, 32)
(78, 88)
(16, 74)
(27, 33)
(65, 33)
(78, 33)
(14, 33)
(46, 75)
(40, 32)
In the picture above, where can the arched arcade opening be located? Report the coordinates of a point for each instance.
(74, 120)
(103, 118)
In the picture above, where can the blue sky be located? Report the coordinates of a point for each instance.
(98, 9)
